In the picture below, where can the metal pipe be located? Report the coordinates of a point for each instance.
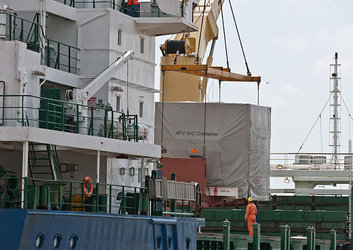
(226, 235)
(285, 237)
(24, 171)
(333, 239)
(310, 238)
(256, 237)
(98, 163)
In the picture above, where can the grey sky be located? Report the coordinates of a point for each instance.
(290, 43)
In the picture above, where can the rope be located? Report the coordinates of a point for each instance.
(241, 44)
(198, 47)
(321, 133)
(177, 53)
(224, 35)
(162, 130)
(314, 124)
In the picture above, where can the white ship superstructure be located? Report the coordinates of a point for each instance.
(51, 48)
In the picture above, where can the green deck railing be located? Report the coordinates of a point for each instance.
(70, 196)
(54, 54)
(145, 8)
(28, 110)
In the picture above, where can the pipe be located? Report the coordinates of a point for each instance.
(310, 238)
(333, 239)
(256, 237)
(285, 237)
(226, 235)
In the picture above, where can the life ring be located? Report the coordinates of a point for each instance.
(87, 186)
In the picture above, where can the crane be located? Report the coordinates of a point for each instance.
(186, 51)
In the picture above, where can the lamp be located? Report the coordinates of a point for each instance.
(286, 180)
(279, 166)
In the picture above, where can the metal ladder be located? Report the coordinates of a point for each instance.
(47, 163)
(43, 161)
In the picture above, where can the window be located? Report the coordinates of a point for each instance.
(118, 107)
(141, 109)
(142, 45)
(119, 36)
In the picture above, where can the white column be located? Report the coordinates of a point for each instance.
(98, 164)
(24, 170)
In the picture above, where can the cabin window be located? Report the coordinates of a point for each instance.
(141, 109)
(142, 45)
(118, 103)
(119, 36)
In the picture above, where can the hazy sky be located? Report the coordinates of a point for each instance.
(290, 44)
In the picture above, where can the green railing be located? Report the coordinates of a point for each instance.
(71, 196)
(100, 120)
(147, 8)
(54, 54)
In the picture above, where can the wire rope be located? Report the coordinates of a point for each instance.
(301, 146)
(241, 44)
(224, 37)
(203, 17)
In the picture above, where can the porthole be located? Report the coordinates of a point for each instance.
(39, 240)
(73, 241)
(158, 241)
(187, 242)
(57, 240)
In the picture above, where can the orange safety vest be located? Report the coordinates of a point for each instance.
(133, 2)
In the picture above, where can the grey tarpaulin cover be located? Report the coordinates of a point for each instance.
(237, 142)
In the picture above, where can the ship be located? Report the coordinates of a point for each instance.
(90, 161)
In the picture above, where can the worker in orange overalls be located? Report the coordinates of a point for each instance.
(133, 8)
(250, 215)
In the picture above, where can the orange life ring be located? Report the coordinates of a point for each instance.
(87, 186)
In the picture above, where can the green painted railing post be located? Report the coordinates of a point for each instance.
(226, 235)
(97, 197)
(77, 118)
(57, 64)
(70, 196)
(48, 54)
(110, 199)
(69, 47)
(22, 110)
(10, 27)
(285, 237)
(310, 238)
(59, 198)
(123, 201)
(21, 33)
(82, 197)
(333, 239)
(25, 193)
(105, 122)
(173, 204)
(256, 237)
(62, 116)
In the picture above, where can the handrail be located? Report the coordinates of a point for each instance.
(123, 7)
(65, 116)
(54, 54)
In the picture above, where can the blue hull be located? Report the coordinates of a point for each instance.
(23, 229)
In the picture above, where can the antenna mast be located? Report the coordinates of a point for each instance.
(335, 110)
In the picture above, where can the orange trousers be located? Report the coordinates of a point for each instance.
(250, 228)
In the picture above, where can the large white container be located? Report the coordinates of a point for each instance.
(237, 142)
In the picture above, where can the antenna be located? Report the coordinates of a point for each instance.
(335, 107)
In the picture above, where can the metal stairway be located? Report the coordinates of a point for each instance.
(43, 161)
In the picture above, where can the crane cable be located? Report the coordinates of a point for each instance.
(203, 17)
(241, 44)
(301, 146)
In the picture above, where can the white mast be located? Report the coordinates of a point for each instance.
(335, 106)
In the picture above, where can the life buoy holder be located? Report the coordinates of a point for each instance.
(87, 186)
